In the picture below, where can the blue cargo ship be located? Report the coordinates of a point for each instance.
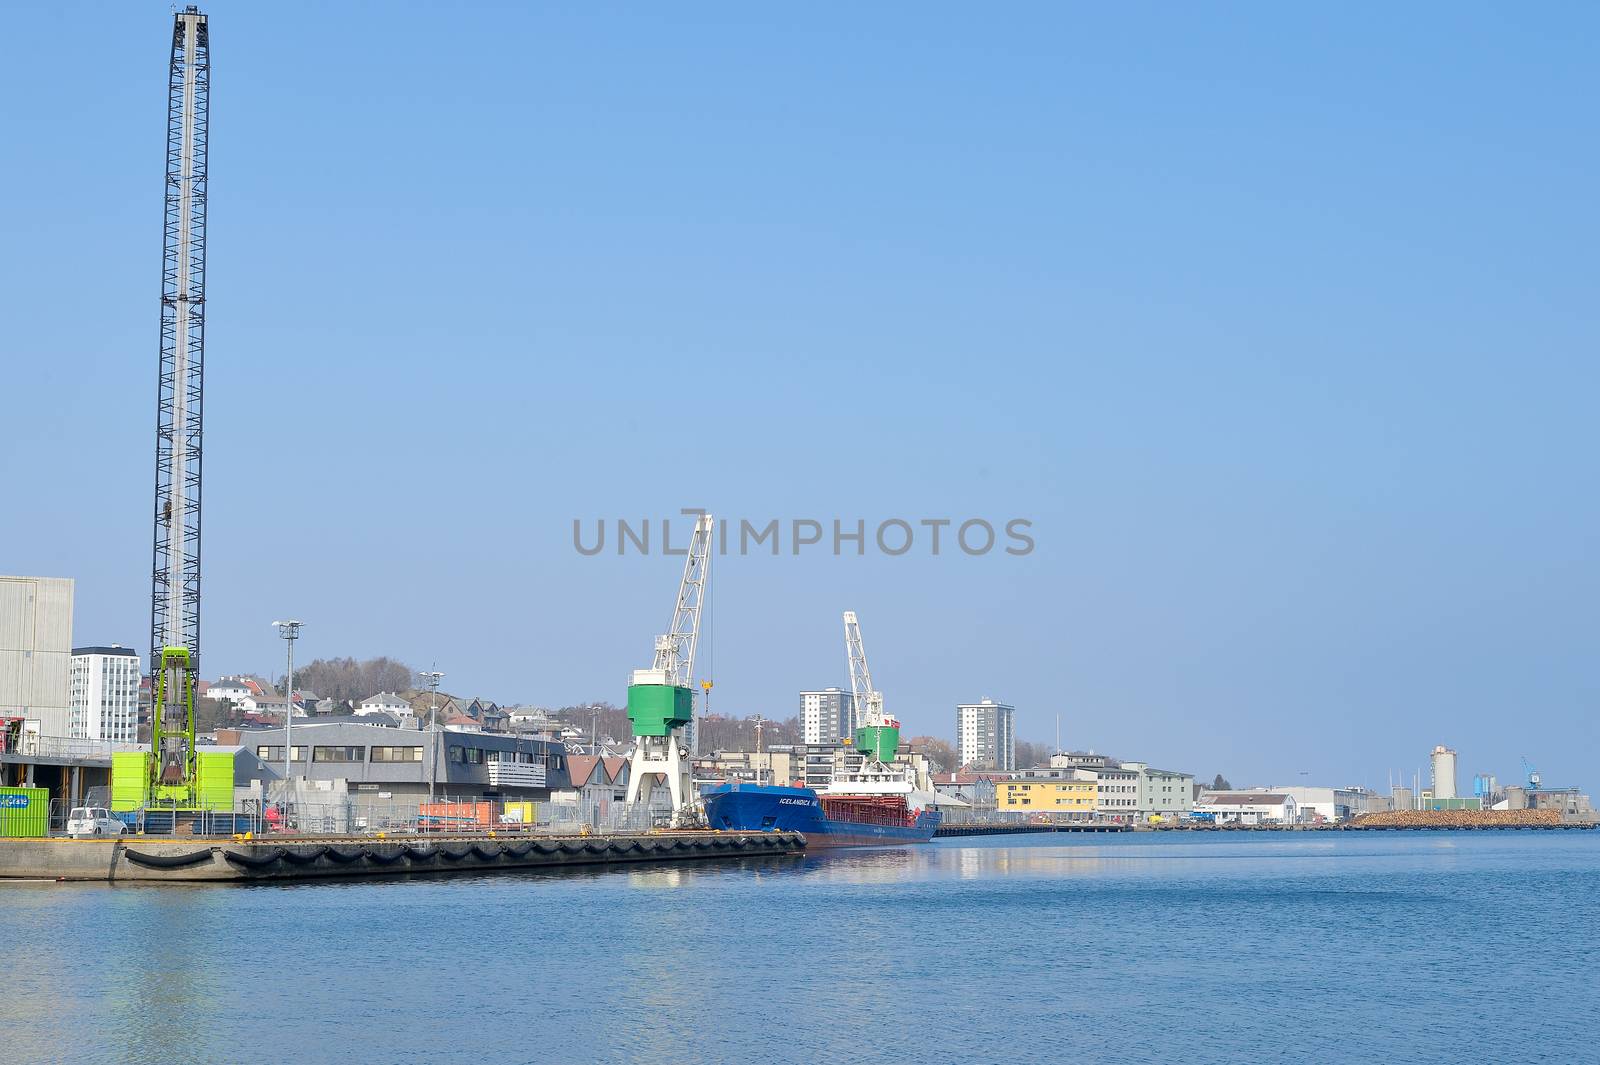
(857, 819)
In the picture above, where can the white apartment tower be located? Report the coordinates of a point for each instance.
(827, 716)
(105, 694)
(986, 735)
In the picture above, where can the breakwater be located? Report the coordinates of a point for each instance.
(1469, 819)
(143, 858)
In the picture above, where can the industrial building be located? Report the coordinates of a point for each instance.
(827, 716)
(1333, 805)
(1247, 808)
(1118, 796)
(986, 735)
(397, 766)
(1161, 793)
(1070, 799)
(104, 694)
(36, 651)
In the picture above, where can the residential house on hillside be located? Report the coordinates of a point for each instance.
(266, 704)
(424, 702)
(383, 703)
(234, 688)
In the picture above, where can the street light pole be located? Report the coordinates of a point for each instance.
(290, 631)
(433, 677)
(759, 720)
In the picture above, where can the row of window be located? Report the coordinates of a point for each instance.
(466, 755)
(480, 755)
(341, 754)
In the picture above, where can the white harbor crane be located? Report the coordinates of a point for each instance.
(867, 699)
(661, 698)
(876, 735)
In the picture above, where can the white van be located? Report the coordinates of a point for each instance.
(86, 821)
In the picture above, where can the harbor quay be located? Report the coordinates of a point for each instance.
(241, 859)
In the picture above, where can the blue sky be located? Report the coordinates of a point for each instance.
(1279, 325)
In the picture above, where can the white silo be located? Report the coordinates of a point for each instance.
(1444, 773)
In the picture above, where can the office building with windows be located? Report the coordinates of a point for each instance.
(986, 735)
(104, 694)
(827, 716)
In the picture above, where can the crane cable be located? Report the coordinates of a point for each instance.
(709, 594)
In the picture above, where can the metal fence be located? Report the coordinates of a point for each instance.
(290, 812)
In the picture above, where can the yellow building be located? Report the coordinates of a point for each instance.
(1075, 797)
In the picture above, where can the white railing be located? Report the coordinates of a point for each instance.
(67, 747)
(516, 774)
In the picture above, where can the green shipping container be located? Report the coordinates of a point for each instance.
(24, 812)
(130, 779)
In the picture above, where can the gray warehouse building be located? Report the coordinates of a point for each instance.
(396, 765)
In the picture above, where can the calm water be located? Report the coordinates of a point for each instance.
(1413, 948)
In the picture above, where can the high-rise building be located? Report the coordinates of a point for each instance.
(986, 735)
(105, 694)
(36, 650)
(827, 716)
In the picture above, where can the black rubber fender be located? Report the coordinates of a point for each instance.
(254, 861)
(603, 847)
(487, 854)
(384, 859)
(422, 854)
(299, 856)
(627, 846)
(343, 857)
(454, 856)
(574, 848)
(547, 848)
(167, 861)
(519, 852)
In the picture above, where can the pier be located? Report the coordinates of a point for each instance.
(1013, 828)
(235, 859)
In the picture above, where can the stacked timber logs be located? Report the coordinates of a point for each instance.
(1461, 819)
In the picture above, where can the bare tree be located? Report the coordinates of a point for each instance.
(938, 752)
(343, 679)
(1030, 754)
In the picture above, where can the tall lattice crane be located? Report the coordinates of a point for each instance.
(175, 572)
(875, 733)
(661, 698)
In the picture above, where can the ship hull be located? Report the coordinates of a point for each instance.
(767, 808)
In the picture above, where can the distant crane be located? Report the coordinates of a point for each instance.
(661, 698)
(876, 734)
(1532, 774)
